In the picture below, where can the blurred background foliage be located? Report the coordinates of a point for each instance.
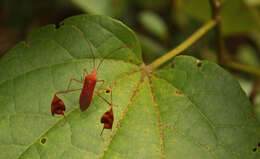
(160, 26)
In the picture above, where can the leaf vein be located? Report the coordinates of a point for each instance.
(159, 121)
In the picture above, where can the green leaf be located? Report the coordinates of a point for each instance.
(236, 16)
(245, 84)
(154, 24)
(257, 109)
(194, 110)
(248, 56)
(253, 2)
(107, 7)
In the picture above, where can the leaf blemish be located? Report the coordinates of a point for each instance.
(57, 26)
(61, 24)
(26, 43)
(250, 117)
(170, 127)
(178, 92)
(199, 64)
(147, 131)
(207, 148)
(77, 29)
(43, 140)
(255, 149)
(107, 91)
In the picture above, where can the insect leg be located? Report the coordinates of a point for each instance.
(67, 91)
(85, 71)
(107, 91)
(111, 95)
(101, 81)
(108, 117)
(74, 79)
(57, 105)
(100, 87)
(110, 104)
(111, 99)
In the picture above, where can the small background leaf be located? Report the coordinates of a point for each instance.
(154, 24)
(107, 7)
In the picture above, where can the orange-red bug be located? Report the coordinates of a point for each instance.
(89, 85)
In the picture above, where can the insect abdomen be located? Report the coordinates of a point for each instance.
(87, 93)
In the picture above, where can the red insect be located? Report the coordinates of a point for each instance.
(108, 117)
(57, 105)
(89, 85)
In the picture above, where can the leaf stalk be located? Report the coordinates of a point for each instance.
(243, 68)
(215, 9)
(184, 45)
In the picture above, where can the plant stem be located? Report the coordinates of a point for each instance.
(254, 91)
(243, 68)
(184, 45)
(215, 7)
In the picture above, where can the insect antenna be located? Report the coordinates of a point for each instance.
(108, 54)
(92, 52)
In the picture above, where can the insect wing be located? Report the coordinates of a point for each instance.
(84, 101)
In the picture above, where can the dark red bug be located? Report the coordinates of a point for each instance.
(107, 119)
(57, 106)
